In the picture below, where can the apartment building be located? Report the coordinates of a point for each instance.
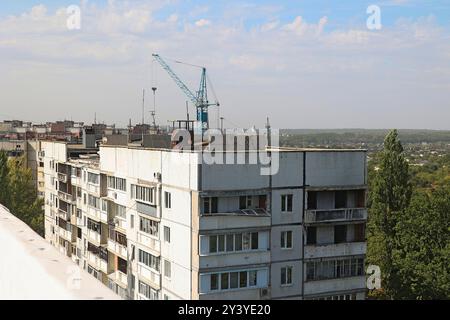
(160, 224)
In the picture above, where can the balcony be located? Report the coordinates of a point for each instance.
(93, 236)
(147, 209)
(120, 278)
(67, 235)
(229, 221)
(119, 223)
(149, 241)
(117, 249)
(333, 250)
(335, 215)
(66, 197)
(152, 277)
(97, 214)
(64, 215)
(335, 285)
(97, 263)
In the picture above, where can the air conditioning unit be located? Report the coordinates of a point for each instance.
(158, 176)
(264, 293)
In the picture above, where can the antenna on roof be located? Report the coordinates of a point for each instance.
(143, 106)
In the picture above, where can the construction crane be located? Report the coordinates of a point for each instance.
(199, 99)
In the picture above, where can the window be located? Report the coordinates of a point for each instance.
(94, 202)
(359, 232)
(340, 199)
(252, 278)
(286, 239)
(122, 265)
(132, 221)
(93, 178)
(149, 260)
(340, 234)
(149, 226)
(221, 239)
(210, 205)
(167, 269)
(104, 205)
(254, 239)
(245, 202)
(117, 183)
(311, 235)
(360, 198)
(312, 200)
(121, 211)
(224, 281)
(286, 276)
(142, 193)
(332, 269)
(214, 282)
(233, 242)
(147, 291)
(233, 280)
(286, 203)
(212, 244)
(230, 242)
(234, 276)
(120, 238)
(243, 279)
(167, 234)
(168, 200)
(94, 226)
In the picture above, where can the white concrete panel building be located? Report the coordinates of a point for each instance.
(160, 224)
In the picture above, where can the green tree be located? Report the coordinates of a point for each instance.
(4, 179)
(23, 201)
(390, 194)
(423, 253)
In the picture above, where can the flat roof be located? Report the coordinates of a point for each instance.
(275, 149)
(33, 269)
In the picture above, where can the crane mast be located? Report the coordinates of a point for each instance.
(199, 99)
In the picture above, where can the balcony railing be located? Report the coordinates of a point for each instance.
(64, 215)
(94, 236)
(149, 275)
(117, 248)
(66, 196)
(149, 241)
(334, 215)
(119, 277)
(97, 262)
(257, 212)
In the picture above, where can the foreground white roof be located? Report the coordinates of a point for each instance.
(32, 269)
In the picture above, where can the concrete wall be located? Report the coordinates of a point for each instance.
(336, 168)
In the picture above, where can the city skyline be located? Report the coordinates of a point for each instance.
(307, 65)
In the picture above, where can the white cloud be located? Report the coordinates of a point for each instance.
(202, 23)
(301, 28)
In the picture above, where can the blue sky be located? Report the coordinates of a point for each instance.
(342, 12)
(306, 64)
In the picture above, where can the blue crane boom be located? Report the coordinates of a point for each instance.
(200, 99)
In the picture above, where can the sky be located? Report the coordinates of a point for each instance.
(303, 64)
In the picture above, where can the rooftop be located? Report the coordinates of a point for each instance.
(32, 269)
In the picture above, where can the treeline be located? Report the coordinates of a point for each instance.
(18, 193)
(408, 229)
(305, 137)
